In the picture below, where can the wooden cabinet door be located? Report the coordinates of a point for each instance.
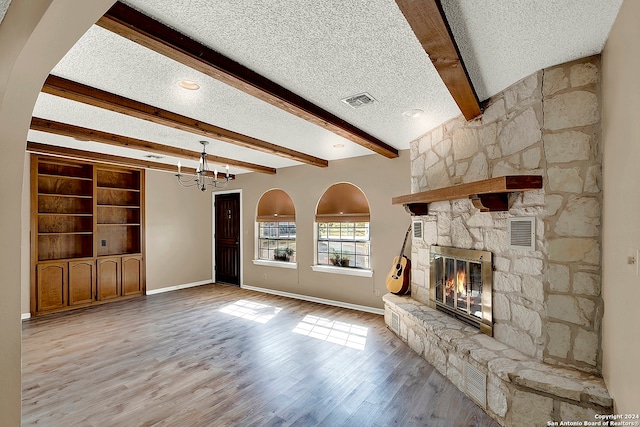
(51, 285)
(82, 282)
(132, 279)
(108, 278)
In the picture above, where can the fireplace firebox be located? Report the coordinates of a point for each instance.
(461, 285)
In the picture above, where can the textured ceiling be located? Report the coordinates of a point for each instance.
(4, 5)
(323, 51)
(504, 41)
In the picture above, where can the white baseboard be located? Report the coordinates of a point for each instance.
(364, 308)
(318, 300)
(176, 287)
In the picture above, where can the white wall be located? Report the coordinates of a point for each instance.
(621, 213)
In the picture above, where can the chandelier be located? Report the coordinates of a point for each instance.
(203, 178)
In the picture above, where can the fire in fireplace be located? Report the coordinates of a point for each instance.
(460, 285)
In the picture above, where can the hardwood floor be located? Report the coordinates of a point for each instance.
(219, 355)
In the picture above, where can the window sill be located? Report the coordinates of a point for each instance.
(279, 264)
(347, 271)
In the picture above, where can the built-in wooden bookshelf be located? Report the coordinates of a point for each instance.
(118, 211)
(87, 228)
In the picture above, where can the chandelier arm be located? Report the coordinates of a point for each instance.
(191, 182)
(203, 178)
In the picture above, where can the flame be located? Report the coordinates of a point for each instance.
(456, 284)
(449, 286)
(462, 288)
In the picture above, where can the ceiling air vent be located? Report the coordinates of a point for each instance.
(359, 100)
(153, 156)
(522, 233)
(417, 229)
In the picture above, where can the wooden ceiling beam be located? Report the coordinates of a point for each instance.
(78, 92)
(429, 23)
(72, 153)
(82, 133)
(135, 26)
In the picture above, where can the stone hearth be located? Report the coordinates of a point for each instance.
(520, 390)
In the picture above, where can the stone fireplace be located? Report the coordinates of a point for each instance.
(543, 362)
(460, 285)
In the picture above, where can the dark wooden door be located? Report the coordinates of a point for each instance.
(227, 238)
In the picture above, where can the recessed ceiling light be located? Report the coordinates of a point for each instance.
(189, 85)
(413, 114)
(338, 145)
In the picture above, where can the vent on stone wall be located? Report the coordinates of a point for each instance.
(522, 233)
(395, 322)
(475, 382)
(359, 100)
(416, 226)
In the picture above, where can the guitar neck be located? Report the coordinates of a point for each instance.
(404, 244)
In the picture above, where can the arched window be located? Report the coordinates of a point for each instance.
(276, 227)
(342, 218)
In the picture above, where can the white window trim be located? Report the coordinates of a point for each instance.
(347, 271)
(279, 264)
(267, 262)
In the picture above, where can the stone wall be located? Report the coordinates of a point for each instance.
(547, 302)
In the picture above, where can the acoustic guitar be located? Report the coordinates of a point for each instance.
(398, 278)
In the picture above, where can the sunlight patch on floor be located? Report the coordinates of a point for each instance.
(257, 312)
(342, 333)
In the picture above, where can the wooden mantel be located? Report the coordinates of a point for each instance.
(489, 195)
